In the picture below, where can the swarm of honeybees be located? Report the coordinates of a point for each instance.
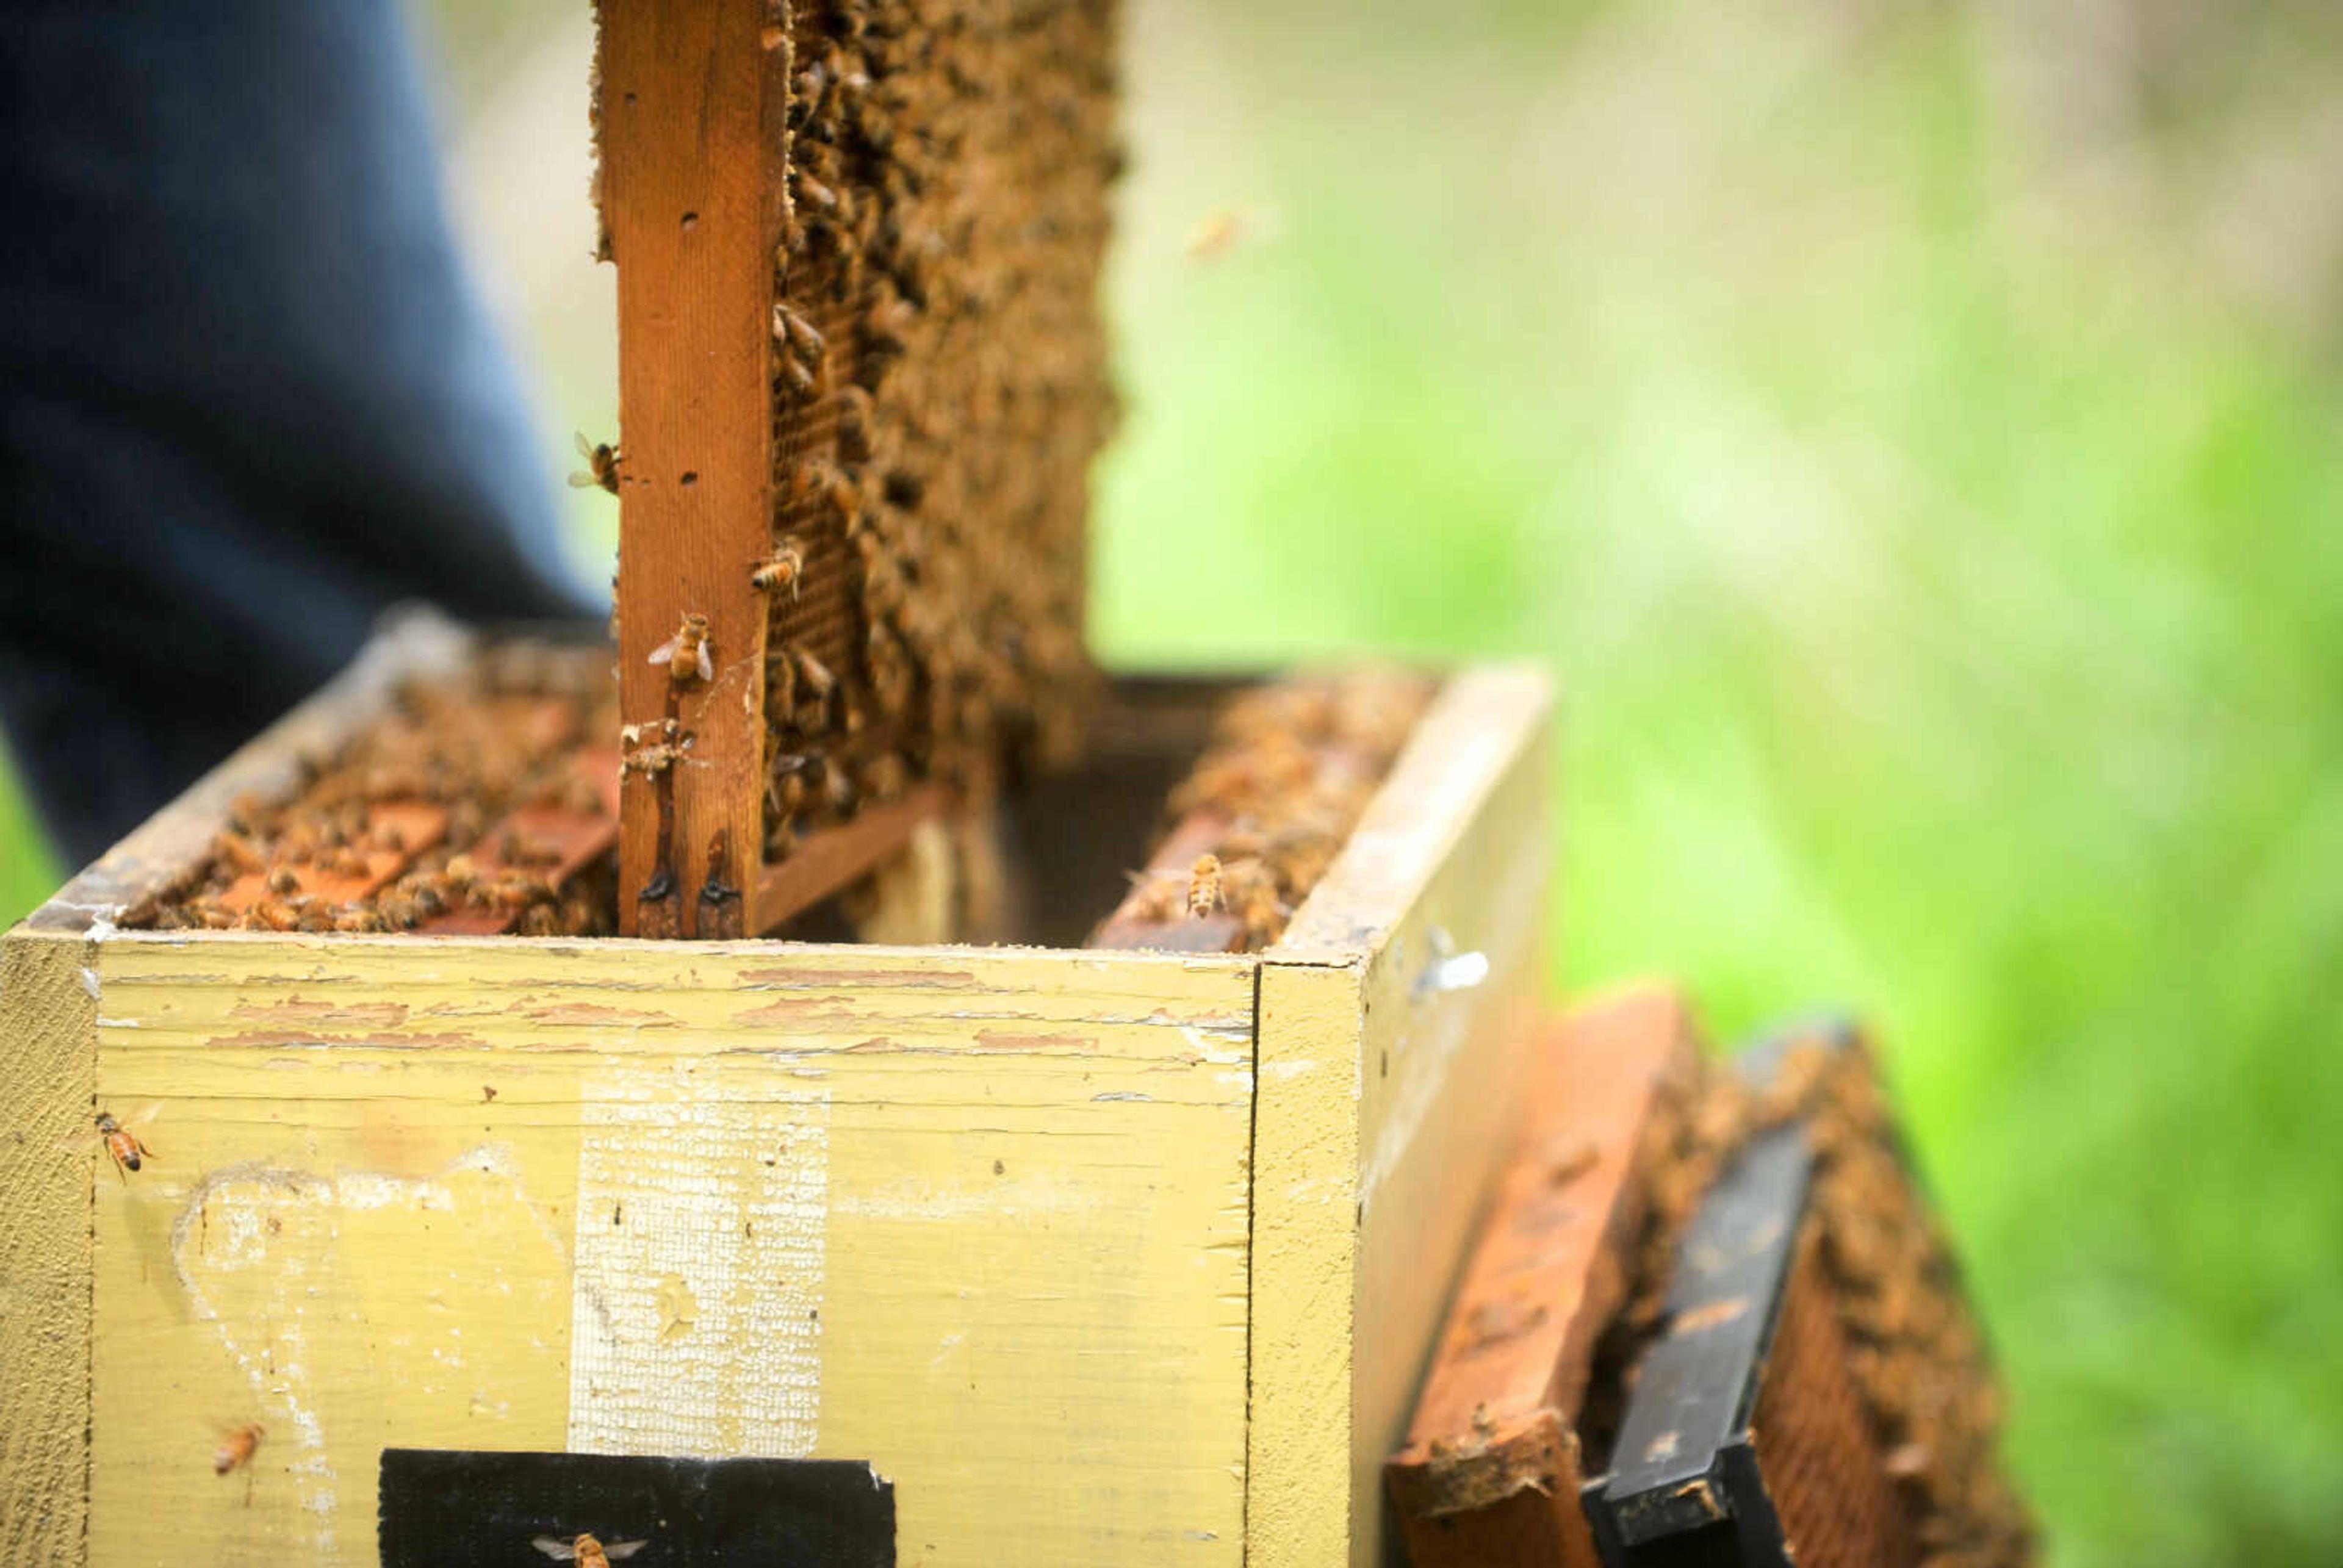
(461, 750)
(1915, 1351)
(939, 390)
(1291, 767)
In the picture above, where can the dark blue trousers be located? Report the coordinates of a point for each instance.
(247, 397)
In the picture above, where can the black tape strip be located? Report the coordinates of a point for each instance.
(446, 1508)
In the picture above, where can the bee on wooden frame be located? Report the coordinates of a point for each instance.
(686, 654)
(586, 1551)
(118, 1138)
(601, 466)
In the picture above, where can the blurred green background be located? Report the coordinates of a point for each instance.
(1911, 432)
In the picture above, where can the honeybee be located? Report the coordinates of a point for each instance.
(601, 466)
(815, 674)
(284, 881)
(783, 570)
(796, 332)
(854, 424)
(812, 85)
(808, 384)
(235, 1446)
(785, 793)
(584, 1551)
(686, 654)
(1217, 232)
(122, 1145)
(271, 915)
(1204, 887)
(814, 191)
(236, 850)
(653, 759)
(808, 479)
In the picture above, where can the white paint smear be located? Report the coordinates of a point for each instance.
(675, 1180)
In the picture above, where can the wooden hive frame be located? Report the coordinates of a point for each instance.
(857, 245)
(1099, 1256)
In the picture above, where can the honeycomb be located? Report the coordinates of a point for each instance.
(1290, 768)
(465, 750)
(940, 392)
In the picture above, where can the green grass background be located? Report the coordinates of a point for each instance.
(1911, 434)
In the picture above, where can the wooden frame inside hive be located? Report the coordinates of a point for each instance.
(858, 245)
(1116, 1256)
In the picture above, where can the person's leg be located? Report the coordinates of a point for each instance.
(247, 398)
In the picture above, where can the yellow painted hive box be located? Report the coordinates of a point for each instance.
(1098, 1257)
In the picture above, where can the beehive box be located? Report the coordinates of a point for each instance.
(1098, 1257)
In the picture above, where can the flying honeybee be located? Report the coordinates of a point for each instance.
(601, 466)
(1204, 887)
(235, 1446)
(122, 1145)
(785, 569)
(586, 1551)
(685, 653)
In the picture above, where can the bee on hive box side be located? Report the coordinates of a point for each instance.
(1204, 887)
(118, 1138)
(586, 1551)
(601, 467)
(235, 1448)
(686, 654)
(786, 568)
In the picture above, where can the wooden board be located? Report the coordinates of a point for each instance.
(1491, 1472)
(978, 1217)
(1391, 1058)
(693, 104)
(48, 1013)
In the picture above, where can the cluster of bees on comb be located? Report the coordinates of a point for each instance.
(412, 824)
(1918, 1359)
(1291, 767)
(939, 391)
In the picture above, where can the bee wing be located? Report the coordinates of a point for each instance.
(582, 481)
(585, 447)
(663, 652)
(559, 1551)
(144, 1116)
(618, 1549)
(81, 1142)
(706, 664)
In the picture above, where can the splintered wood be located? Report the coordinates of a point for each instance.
(861, 376)
(1259, 819)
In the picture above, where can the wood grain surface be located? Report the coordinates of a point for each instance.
(693, 105)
